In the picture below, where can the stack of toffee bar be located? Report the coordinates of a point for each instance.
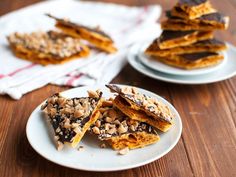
(187, 39)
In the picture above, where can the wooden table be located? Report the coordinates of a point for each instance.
(208, 143)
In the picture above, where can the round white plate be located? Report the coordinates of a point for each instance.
(162, 67)
(226, 71)
(93, 158)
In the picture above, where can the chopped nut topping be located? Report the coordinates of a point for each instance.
(61, 101)
(96, 130)
(93, 94)
(78, 113)
(132, 127)
(108, 119)
(122, 129)
(103, 110)
(80, 148)
(107, 103)
(74, 125)
(103, 145)
(58, 130)
(98, 123)
(112, 113)
(59, 145)
(50, 43)
(112, 131)
(67, 123)
(77, 130)
(56, 138)
(117, 122)
(123, 151)
(106, 127)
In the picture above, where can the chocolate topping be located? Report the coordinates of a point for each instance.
(210, 42)
(198, 56)
(168, 35)
(216, 16)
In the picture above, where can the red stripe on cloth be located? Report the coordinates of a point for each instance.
(22, 69)
(18, 70)
(73, 78)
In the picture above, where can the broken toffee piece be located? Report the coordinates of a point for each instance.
(141, 107)
(121, 132)
(170, 39)
(192, 60)
(206, 22)
(191, 9)
(45, 48)
(71, 117)
(210, 45)
(93, 35)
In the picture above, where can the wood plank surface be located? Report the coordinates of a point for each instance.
(208, 143)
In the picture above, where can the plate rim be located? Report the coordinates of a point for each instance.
(149, 72)
(177, 116)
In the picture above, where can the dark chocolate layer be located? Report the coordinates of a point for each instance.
(198, 56)
(216, 16)
(210, 42)
(168, 35)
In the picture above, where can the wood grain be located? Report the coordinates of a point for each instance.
(208, 143)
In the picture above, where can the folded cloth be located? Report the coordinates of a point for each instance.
(126, 25)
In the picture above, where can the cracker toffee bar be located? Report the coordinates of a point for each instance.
(95, 36)
(191, 9)
(120, 131)
(193, 60)
(208, 22)
(46, 47)
(210, 45)
(141, 107)
(171, 39)
(70, 118)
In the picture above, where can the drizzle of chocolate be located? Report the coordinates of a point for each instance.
(215, 16)
(212, 42)
(198, 56)
(168, 35)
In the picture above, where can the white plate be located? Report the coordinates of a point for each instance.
(93, 158)
(226, 71)
(159, 66)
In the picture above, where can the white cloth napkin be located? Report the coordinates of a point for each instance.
(126, 25)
